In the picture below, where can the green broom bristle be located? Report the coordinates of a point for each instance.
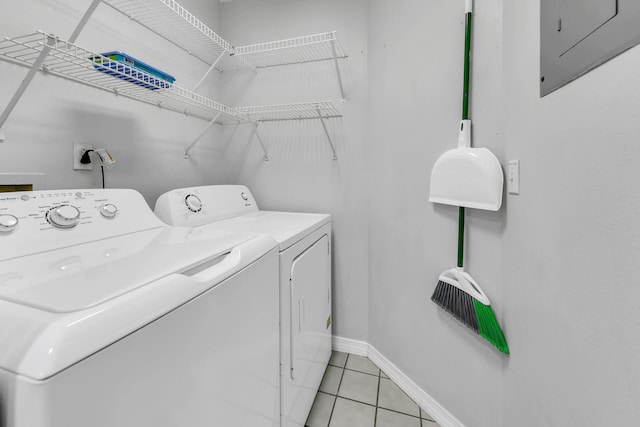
(471, 312)
(488, 326)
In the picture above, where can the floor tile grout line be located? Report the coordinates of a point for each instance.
(420, 410)
(361, 372)
(376, 406)
(338, 391)
(369, 404)
(375, 417)
(373, 406)
(420, 416)
(400, 412)
(380, 372)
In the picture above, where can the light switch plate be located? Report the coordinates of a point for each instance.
(513, 177)
(78, 151)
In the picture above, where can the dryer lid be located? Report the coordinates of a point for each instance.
(233, 208)
(287, 228)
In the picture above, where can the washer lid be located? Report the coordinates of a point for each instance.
(84, 276)
(59, 307)
(287, 228)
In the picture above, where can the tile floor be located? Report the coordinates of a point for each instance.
(356, 393)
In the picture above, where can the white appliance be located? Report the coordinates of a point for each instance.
(305, 279)
(110, 318)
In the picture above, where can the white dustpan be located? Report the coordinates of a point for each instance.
(466, 176)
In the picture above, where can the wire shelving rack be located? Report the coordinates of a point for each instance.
(71, 61)
(169, 20)
(299, 50)
(174, 23)
(300, 111)
(322, 110)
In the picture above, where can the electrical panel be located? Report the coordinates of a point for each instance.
(578, 35)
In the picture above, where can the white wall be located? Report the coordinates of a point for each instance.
(559, 263)
(571, 242)
(301, 175)
(147, 142)
(415, 65)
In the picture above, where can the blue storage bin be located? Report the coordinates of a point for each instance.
(132, 70)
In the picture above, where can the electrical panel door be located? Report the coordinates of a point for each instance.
(579, 35)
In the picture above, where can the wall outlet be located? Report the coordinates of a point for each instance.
(78, 151)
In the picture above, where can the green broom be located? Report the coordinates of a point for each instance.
(456, 291)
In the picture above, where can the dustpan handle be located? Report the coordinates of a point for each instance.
(465, 112)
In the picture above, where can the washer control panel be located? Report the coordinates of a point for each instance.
(34, 221)
(108, 210)
(63, 216)
(8, 223)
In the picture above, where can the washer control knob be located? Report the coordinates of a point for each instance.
(108, 210)
(64, 216)
(194, 204)
(24, 198)
(8, 223)
(244, 196)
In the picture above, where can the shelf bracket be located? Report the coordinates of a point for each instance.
(186, 152)
(39, 63)
(84, 20)
(264, 148)
(335, 62)
(213, 66)
(326, 132)
(51, 41)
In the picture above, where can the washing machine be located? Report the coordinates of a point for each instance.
(109, 317)
(304, 242)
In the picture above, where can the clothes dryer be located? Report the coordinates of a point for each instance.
(108, 317)
(304, 241)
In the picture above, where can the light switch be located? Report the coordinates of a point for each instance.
(513, 177)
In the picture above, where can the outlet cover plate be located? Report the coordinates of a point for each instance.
(78, 151)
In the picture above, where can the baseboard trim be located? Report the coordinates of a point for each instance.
(443, 417)
(347, 345)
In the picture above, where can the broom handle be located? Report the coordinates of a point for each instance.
(467, 50)
(465, 113)
(460, 235)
